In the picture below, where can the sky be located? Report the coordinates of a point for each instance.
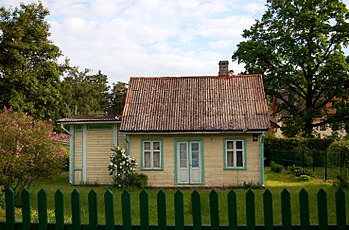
(128, 38)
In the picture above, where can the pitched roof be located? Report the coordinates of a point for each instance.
(87, 119)
(194, 104)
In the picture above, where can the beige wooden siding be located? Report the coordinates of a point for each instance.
(99, 145)
(214, 173)
(77, 158)
(121, 140)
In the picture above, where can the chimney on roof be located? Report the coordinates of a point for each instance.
(223, 68)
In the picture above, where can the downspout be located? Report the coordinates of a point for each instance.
(262, 159)
(71, 151)
(127, 144)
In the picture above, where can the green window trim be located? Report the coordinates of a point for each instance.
(244, 167)
(101, 126)
(152, 140)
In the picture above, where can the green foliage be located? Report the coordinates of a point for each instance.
(338, 153)
(303, 178)
(122, 169)
(298, 47)
(342, 181)
(118, 97)
(84, 93)
(298, 171)
(296, 143)
(28, 151)
(275, 167)
(29, 72)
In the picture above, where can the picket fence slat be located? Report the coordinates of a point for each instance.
(214, 211)
(109, 210)
(285, 210)
(126, 210)
(322, 209)
(161, 205)
(196, 209)
(268, 210)
(26, 214)
(232, 213)
(42, 209)
(179, 212)
(76, 215)
(304, 209)
(59, 209)
(340, 209)
(144, 212)
(92, 210)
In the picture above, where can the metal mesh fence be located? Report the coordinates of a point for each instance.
(319, 161)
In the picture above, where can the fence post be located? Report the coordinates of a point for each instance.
(196, 209)
(340, 209)
(10, 209)
(76, 215)
(26, 215)
(214, 211)
(92, 210)
(126, 210)
(232, 214)
(179, 210)
(42, 209)
(144, 210)
(285, 209)
(59, 210)
(322, 209)
(161, 205)
(268, 210)
(304, 209)
(250, 210)
(109, 209)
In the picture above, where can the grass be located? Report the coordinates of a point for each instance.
(275, 182)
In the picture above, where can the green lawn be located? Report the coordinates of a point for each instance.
(274, 182)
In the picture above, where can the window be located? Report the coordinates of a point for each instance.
(151, 151)
(234, 154)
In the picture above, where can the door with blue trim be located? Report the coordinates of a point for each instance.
(189, 167)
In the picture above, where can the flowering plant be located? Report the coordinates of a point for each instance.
(121, 167)
(28, 150)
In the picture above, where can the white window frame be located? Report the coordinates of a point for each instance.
(234, 150)
(152, 151)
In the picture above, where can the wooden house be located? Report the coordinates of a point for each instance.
(91, 141)
(197, 131)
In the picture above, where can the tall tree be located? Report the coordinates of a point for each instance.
(85, 93)
(298, 46)
(29, 71)
(118, 97)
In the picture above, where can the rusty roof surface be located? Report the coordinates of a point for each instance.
(194, 104)
(82, 119)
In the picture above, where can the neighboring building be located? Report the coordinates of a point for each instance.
(202, 131)
(91, 141)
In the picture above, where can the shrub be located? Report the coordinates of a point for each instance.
(275, 167)
(138, 180)
(303, 178)
(338, 153)
(122, 169)
(28, 151)
(341, 181)
(298, 171)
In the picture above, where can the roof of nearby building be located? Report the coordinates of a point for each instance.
(89, 119)
(194, 104)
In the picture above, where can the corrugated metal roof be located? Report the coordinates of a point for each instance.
(193, 104)
(82, 119)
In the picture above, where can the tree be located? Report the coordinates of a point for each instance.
(298, 46)
(29, 72)
(28, 151)
(118, 97)
(85, 93)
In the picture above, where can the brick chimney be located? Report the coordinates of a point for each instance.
(223, 68)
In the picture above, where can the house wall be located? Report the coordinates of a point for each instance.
(213, 157)
(90, 163)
